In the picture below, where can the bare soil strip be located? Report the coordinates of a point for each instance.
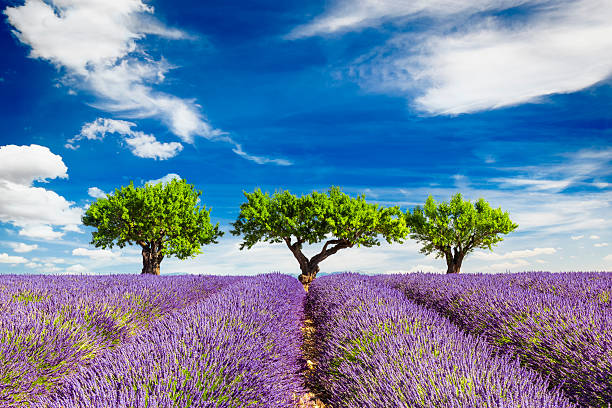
(310, 352)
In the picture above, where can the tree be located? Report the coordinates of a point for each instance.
(164, 219)
(336, 218)
(453, 230)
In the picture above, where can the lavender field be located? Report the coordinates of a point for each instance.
(418, 340)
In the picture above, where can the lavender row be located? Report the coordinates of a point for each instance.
(379, 350)
(565, 337)
(50, 326)
(238, 348)
(593, 287)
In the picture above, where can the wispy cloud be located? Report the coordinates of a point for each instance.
(259, 159)
(525, 253)
(469, 59)
(349, 15)
(98, 45)
(580, 169)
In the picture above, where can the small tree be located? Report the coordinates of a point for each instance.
(164, 220)
(336, 218)
(453, 230)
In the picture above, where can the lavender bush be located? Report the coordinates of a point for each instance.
(561, 329)
(238, 348)
(379, 350)
(51, 325)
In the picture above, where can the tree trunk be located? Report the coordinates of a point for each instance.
(309, 273)
(454, 262)
(151, 259)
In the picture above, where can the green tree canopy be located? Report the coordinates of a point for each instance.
(336, 218)
(164, 219)
(454, 229)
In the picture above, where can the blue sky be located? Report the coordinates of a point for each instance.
(509, 100)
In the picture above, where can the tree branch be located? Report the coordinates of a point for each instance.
(339, 244)
(296, 251)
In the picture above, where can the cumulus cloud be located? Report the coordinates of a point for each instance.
(146, 146)
(20, 247)
(166, 179)
(97, 44)
(139, 143)
(25, 164)
(468, 59)
(577, 237)
(8, 259)
(95, 192)
(78, 268)
(94, 254)
(34, 210)
(45, 232)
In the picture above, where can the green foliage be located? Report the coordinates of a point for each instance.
(167, 215)
(457, 224)
(314, 217)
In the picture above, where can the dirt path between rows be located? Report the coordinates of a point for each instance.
(310, 353)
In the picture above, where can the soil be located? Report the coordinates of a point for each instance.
(309, 350)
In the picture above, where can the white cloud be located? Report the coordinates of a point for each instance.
(594, 237)
(50, 269)
(519, 263)
(346, 15)
(608, 258)
(45, 232)
(259, 159)
(8, 259)
(20, 247)
(576, 237)
(560, 51)
(95, 254)
(165, 180)
(601, 244)
(78, 268)
(468, 59)
(34, 210)
(33, 265)
(526, 253)
(146, 146)
(26, 164)
(139, 143)
(96, 42)
(95, 192)
(98, 129)
(50, 260)
(553, 185)
(580, 168)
